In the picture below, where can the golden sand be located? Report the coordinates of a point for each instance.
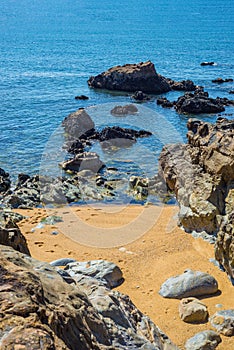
(148, 247)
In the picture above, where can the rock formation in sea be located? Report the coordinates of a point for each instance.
(141, 77)
(201, 174)
(197, 102)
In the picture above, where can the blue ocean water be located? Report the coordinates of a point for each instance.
(50, 48)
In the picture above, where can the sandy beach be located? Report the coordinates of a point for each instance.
(147, 256)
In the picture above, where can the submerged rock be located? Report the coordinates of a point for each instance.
(124, 110)
(189, 284)
(205, 340)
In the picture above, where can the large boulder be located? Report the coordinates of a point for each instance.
(77, 123)
(131, 77)
(201, 174)
(189, 284)
(39, 309)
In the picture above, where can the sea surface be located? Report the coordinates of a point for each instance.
(48, 50)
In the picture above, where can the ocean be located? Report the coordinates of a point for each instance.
(50, 48)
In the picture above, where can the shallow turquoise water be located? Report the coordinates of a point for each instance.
(50, 48)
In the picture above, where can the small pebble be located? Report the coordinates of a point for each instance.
(122, 249)
(218, 305)
(54, 233)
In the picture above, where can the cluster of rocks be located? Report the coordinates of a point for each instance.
(221, 80)
(201, 174)
(198, 102)
(139, 78)
(142, 79)
(89, 178)
(198, 284)
(45, 306)
(81, 134)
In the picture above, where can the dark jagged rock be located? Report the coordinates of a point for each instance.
(221, 80)
(201, 174)
(81, 97)
(109, 133)
(124, 110)
(22, 178)
(140, 96)
(231, 92)
(164, 102)
(207, 64)
(26, 193)
(184, 85)
(40, 309)
(131, 77)
(198, 103)
(5, 182)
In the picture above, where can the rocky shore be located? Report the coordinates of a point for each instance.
(57, 293)
(201, 174)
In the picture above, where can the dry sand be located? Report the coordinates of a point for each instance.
(148, 247)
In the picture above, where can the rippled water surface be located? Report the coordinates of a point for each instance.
(50, 48)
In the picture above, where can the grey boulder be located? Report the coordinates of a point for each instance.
(104, 271)
(189, 284)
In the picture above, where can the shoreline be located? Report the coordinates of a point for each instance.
(146, 262)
